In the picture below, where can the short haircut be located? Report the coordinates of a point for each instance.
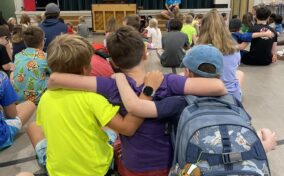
(82, 19)
(69, 54)
(263, 13)
(175, 25)
(235, 16)
(133, 20)
(33, 37)
(278, 19)
(188, 19)
(207, 68)
(235, 25)
(51, 15)
(224, 15)
(17, 33)
(126, 47)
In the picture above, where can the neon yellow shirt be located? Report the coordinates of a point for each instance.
(72, 122)
(190, 31)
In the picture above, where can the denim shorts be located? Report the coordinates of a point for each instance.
(40, 149)
(14, 125)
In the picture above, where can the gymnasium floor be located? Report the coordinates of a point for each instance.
(263, 92)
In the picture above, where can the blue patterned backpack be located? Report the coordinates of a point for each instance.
(215, 137)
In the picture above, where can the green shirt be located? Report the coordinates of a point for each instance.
(190, 31)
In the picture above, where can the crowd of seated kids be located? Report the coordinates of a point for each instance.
(82, 104)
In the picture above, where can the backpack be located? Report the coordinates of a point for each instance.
(215, 137)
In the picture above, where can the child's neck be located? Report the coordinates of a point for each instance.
(264, 22)
(137, 73)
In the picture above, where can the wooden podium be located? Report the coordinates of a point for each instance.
(102, 12)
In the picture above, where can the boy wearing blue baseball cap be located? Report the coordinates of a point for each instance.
(200, 61)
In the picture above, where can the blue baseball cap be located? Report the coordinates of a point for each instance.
(204, 54)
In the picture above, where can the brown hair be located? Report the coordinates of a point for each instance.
(207, 68)
(126, 47)
(111, 25)
(133, 20)
(69, 54)
(188, 19)
(17, 34)
(214, 31)
(33, 37)
(25, 19)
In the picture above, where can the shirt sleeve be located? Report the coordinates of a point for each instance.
(175, 84)
(106, 86)
(102, 109)
(246, 37)
(4, 57)
(9, 95)
(170, 107)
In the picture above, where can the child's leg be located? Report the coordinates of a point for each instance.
(25, 174)
(240, 77)
(25, 111)
(38, 141)
(268, 139)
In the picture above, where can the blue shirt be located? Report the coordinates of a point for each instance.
(7, 96)
(31, 74)
(278, 28)
(239, 37)
(171, 2)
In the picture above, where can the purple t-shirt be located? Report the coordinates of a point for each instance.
(149, 148)
(229, 77)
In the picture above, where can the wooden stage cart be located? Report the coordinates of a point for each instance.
(102, 12)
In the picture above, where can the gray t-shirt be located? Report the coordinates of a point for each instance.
(173, 44)
(83, 30)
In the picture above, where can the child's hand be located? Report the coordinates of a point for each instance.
(154, 79)
(268, 139)
(268, 34)
(116, 76)
(274, 58)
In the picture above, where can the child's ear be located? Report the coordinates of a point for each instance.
(188, 73)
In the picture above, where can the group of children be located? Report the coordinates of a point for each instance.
(73, 120)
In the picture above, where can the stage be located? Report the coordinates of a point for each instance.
(72, 16)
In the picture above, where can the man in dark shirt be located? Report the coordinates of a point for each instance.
(51, 26)
(262, 50)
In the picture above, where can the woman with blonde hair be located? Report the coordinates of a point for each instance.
(154, 34)
(214, 31)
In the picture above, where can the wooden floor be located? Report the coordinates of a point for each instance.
(263, 92)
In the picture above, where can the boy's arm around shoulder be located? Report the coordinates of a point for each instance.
(204, 87)
(72, 81)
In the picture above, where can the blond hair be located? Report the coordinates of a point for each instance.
(82, 19)
(188, 19)
(214, 31)
(153, 23)
(69, 54)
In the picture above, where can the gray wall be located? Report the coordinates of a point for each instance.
(8, 8)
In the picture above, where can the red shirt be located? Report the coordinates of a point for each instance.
(100, 67)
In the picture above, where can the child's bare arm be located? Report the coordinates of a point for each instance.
(131, 102)
(204, 87)
(273, 51)
(72, 81)
(243, 45)
(10, 111)
(268, 34)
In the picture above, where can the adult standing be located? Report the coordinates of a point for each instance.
(51, 26)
